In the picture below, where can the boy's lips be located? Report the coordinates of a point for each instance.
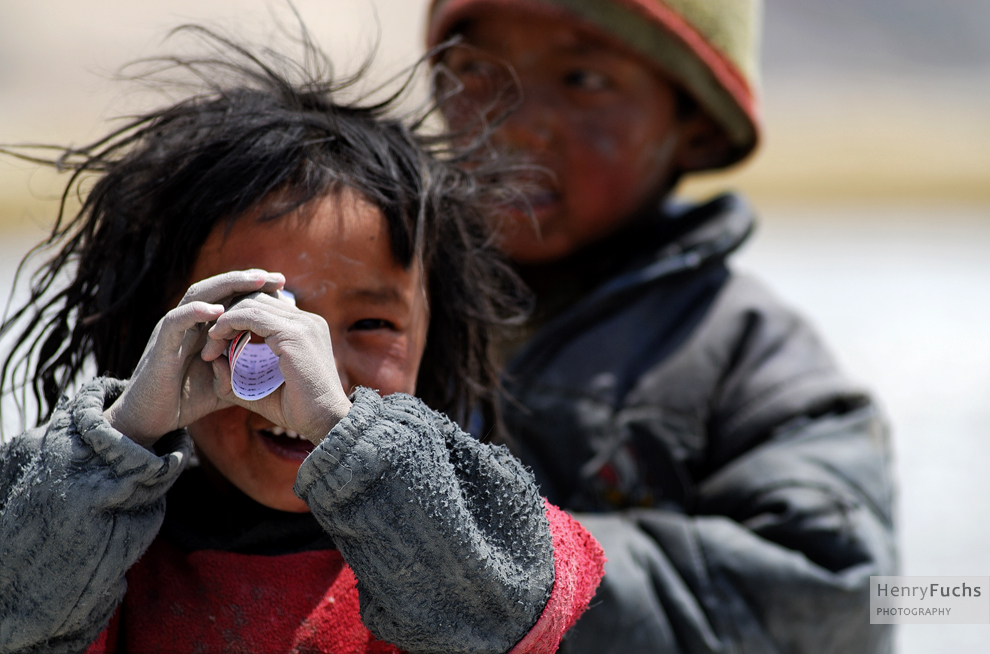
(285, 443)
(538, 202)
(543, 199)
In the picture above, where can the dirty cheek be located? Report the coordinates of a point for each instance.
(396, 353)
(392, 371)
(605, 146)
(612, 137)
(656, 159)
(605, 157)
(526, 58)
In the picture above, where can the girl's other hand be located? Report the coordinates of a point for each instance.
(172, 385)
(312, 399)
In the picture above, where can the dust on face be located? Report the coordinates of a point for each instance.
(601, 122)
(337, 261)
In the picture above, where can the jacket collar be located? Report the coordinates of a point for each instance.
(711, 231)
(678, 237)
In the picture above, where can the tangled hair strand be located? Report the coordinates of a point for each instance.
(258, 132)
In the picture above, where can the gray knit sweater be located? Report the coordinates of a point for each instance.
(447, 536)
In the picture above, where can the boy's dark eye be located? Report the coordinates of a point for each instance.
(475, 67)
(482, 76)
(470, 65)
(586, 80)
(368, 324)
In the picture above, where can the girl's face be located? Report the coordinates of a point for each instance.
(338, 264)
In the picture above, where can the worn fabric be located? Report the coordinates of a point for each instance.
(738, 482)
(79, 504)
(578, 569)
(448, 539)
(406, 495)
(300, 596)
(708, 47)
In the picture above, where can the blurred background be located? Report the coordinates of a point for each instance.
(872, 183)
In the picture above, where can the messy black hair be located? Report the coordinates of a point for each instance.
(260, 132)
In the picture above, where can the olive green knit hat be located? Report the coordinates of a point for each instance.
(709, 47)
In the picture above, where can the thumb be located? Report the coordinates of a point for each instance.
(222, 384)
(268, 406)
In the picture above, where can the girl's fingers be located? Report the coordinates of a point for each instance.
(214, 349)
(178, 321)
(224, 389)
(221, 380)
(221, 335)
(229, 284)
(264, 316)
(257, 321)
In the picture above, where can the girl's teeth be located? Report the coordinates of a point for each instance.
(275, 430)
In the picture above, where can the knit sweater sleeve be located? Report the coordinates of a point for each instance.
(79, 504)
(448, 537)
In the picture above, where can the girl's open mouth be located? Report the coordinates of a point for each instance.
(285, 443)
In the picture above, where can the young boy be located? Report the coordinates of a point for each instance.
(738, 483)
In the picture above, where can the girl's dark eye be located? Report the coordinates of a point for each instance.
(586, 80)
(369, 324)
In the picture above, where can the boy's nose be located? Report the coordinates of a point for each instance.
(529, 128)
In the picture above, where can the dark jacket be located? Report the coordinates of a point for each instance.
(738, 482)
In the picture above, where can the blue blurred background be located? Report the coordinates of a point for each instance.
(872, 182)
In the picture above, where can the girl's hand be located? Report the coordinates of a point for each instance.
(173, 386)
(312, 400)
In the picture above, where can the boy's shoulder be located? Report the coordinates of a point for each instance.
(682, 331)
(641, 317)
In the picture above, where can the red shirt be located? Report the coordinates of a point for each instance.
(213, 600)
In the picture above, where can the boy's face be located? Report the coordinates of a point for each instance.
(338, 263)
(600, 119)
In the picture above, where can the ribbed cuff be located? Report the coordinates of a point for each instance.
(342, 457)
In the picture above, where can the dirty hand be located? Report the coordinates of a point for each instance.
(172, 386)
(312, 400)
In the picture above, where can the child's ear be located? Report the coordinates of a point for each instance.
(704, 144)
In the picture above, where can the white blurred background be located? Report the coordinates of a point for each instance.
(873, 184)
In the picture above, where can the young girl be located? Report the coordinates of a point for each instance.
(335, 514)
